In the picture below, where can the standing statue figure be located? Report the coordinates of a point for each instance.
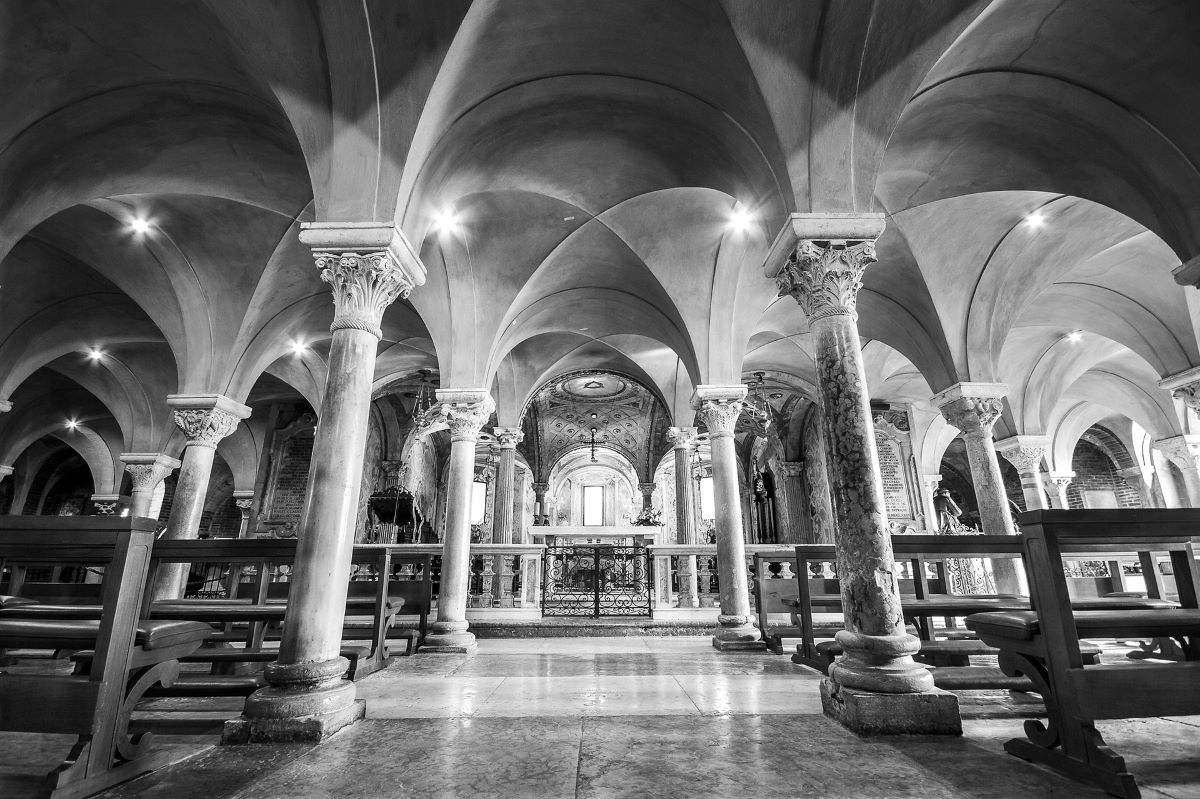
(947, 511)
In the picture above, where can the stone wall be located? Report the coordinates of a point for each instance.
(1095, 471)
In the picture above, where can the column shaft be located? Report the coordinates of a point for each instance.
(684, 439)
(506, 477)
(191, 488)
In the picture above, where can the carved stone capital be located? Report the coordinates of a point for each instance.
(1061, 479)
(824, 276)
(1184, 386)
(540, 489)
(719, 407)
(647, 489)
(972, 407)
(932, 481)
(1024, 452)
(682, 437)
(105, 508)
(1183, 451)
(147, 470)
(206, 418)
(508, 437)
(466, 411)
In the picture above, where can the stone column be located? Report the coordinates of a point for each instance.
(647, 490)
(683, 440)
(105, 504)
(1060, 481)
(719, 407)
(466, 412)
(876, 686)
(1026, 454)
(506, 480)
(1184, 452)
(205, 419)
(146, 471)
(790, 514)
(541, 515)
(929, 485)
(520, 535)
(245, 504)
(367, 266)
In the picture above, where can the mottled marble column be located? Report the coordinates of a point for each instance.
(683, 442)
(876, 686)
(368, 267)
(1184, 452)
(1060, 481)
(244, 500)
(466, 411)
(541, 514)
(146, 471)
(1026, 454)
(719, 407)
(791, 517)
(820, 501)
(205, 420)
(506, 479)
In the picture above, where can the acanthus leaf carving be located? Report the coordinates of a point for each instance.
(824, 277)
(364, 285)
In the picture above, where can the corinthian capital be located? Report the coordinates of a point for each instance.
(147, 469)
(1024, 452)
(508, 437)
(719, 407)
(369, 266)
(206, 418)
(824, 276)
(972, 407)
(466, 411)
(682, 437)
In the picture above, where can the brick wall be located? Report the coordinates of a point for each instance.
(1095, 471)
(293, 479)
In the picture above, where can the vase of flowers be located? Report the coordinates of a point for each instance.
(648, 517)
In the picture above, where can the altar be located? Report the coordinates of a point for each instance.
(596, 534)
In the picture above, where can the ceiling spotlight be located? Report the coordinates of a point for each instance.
(740, 219)
(95, 353)
(1035, 220)
(298, 347)
(1075, 337)
(446, 221)
(72, 424)
(139, 226)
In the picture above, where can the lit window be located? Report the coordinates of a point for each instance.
(478, 501)
(707, 503)
(593, 506)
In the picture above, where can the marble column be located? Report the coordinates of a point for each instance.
(105, 504)
(244, 500)
(367, 267)
(466, 411)
(1184, 452)
(719, 407)
(541, 514)
(1166, 486)
(205, 420)
(1140, 478)
(1026, 454)
(146, 471)
(683, 442)
(791, 517)
(876, 686)
(506, 481)
(929, 486)
(520, 536)
(1060, 481)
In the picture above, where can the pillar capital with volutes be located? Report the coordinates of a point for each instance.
(1025, 452)
(368, 265)
(508, 437)
(466, 411)
(972, 407)
(719, 407)
(206, 419)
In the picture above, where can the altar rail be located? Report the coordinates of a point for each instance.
(674, 563)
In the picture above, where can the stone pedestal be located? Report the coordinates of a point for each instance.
(1025, 453)
(205, 419)
(719, 407)
(368, 267)
(683, 440)
(146, 471)
(819, 261)
(466, 411)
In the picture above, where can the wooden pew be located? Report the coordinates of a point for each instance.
(1043, 644)
(130, 655)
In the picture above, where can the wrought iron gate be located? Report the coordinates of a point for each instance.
(596, 580)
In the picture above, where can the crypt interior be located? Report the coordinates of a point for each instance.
(600, 309)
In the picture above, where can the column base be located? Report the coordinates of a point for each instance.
(304, 703)
(742, 637)
(449, 638)
(303, 729)
(933, 712)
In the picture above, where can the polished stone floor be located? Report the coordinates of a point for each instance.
(622, 717)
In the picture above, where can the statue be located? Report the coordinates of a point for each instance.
(947, 511)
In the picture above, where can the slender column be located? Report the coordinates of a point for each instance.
(1141, 478)
(146, 471)
(1026, 454)
(506, 479)
(790, 514)
(719, 407)
(1060, 481)
(367, 266)
(205, 419)
(105, 504)
(683, 440)
(876, 686)
(647, 490)
(466, 411)
(520, 536)
(541, 515)
(929, 485)
(245, 504)
(1184, 452)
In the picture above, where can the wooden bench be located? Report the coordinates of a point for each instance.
(131, 655)
(1043, 644)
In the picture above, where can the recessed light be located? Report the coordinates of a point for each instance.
(1035, 220)
(72, 424)
(740, 219)
(446, 221)
(1075, 337)
(95, 353)
(139, 225)
(298, 347)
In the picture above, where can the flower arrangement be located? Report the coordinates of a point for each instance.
(649, 517)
